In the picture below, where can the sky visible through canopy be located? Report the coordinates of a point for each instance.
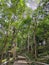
(33, 4)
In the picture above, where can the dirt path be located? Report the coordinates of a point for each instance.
(21, 61)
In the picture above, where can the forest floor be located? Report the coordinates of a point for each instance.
(22, 61)
(25, 60)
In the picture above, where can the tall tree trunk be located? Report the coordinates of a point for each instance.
(0, 60)
(35, 45)
(14, 54)
(28, 42)
(34, 36)
(15, 44)
(31, 49)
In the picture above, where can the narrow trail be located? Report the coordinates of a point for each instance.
(21, 61)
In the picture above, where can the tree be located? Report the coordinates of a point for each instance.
(11, 11)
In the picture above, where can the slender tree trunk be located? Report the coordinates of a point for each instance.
(31, 49)
(28, 42)
(14, 44)
(35, 46)
(34, 35)
(0, 60)
(14, 54)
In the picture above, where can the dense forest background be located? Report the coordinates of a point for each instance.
(24, 29)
